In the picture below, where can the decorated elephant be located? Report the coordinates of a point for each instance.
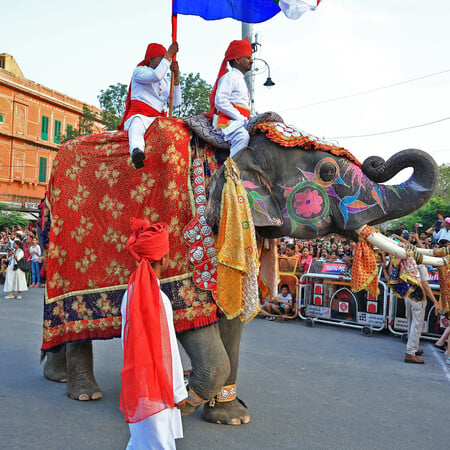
(296, 186)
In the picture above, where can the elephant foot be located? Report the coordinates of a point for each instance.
(55, 366)
(227, 413)
(81, 384)
(84, 391)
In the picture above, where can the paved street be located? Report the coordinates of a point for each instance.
(314, 388)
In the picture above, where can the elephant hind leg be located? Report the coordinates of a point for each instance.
(55, 368)
(210, 363)
(81, 384)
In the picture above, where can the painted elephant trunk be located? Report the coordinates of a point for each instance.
(402, 199)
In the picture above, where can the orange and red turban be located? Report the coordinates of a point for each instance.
(147, 380)
(236, 49)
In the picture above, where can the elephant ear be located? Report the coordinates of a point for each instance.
(265, 211)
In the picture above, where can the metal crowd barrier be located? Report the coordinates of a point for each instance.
(325, 296)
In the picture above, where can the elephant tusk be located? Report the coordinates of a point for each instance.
(391, 247)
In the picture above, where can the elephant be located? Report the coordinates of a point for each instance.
(296, 186)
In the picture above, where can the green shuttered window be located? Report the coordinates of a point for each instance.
(42, 170)
(44, 129)
(57, 133)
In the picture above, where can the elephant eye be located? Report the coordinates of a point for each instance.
(327, 172)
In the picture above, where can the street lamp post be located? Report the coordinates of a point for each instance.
(247, 31)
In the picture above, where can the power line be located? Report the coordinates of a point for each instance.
(391, 131)
(365, 92)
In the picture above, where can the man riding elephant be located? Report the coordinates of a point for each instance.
(148, 95)
(230, 99)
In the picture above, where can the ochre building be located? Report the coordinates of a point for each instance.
(33, 118)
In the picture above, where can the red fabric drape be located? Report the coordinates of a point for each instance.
(147, 381)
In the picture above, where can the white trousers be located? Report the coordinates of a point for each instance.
(137, 126)
(415, 315)
(236, 134)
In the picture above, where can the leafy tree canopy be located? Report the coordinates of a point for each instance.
(9, 219)
(195, 96)
(112, 102)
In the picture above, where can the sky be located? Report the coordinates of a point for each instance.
(343, 48)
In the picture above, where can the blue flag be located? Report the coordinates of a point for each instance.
(250, 11)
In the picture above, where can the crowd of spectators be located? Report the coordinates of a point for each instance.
(296, 255)
(15, 244)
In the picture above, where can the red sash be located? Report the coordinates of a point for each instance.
(223, 121)
(138, 107)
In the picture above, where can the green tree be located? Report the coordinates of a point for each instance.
(112, 102)
(443, 189)
(85, 126)
(8, 219)
(195, 96)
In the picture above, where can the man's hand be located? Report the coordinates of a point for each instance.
(174, 67)
(173, 50)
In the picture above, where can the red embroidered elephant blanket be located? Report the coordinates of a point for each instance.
(93, 191)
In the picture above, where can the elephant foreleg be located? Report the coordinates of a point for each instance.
(227, 408)
(81, 384)
(55, 368)
(210, 364)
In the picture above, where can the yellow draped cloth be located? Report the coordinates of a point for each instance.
(237, 257)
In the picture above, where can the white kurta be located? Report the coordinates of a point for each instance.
(15, 279)
(232, 90)
(152, 86)
(158, 432)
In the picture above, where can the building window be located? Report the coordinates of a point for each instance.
(69, 132)
(42, 170)
(57, 133)
(44, 129)
(1, 118)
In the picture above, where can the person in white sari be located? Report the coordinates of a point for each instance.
(15, 279)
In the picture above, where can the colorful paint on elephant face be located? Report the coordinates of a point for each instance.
(307, 203)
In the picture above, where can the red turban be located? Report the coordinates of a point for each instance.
(237, 49)
(153, 51)
(147, 380)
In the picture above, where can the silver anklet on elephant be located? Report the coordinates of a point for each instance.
(227, 394)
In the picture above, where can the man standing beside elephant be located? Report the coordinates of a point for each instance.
(148, 95)
(152, 409)
(230, 99)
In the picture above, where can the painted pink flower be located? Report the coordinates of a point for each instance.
(308, 203)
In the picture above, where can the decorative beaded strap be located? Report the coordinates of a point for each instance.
(227, 394)
(194, 400)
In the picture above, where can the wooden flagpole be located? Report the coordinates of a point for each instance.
(172, 79)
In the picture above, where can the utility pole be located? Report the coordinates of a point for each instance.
(247, 31)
